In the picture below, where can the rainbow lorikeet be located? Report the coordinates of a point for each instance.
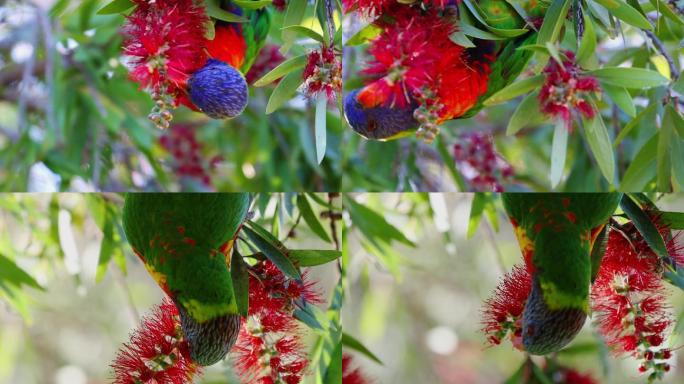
(185, 242)
(457, 79)
(556, 233)
(219, 89)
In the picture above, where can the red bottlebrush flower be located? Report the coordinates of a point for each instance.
(416, 63)
(180, 141)
(157, 352)
(269, 58)
(367, 8)
(565, 90)
(502, 313)
(269, 349)
(404, 59)
(351, 375)
(479, 162)
(628, 297)
(323, 72)
(374, 8)
(165, 43)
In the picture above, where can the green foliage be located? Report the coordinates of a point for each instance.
(98, 219)
(613, 150)
(89, 127)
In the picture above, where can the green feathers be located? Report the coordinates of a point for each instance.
(255, 33)
(556, 233)
(180, 237)
(185, 240)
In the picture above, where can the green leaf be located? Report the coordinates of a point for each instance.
(673, 220)
(559, 150)
(106, 247)
(527, 113)
(482, 203)
(450, 164)
(540, 375)
(320, 133)
(11, 274)
(240, 277)
(621, 98)
(664, 154)
(311, 316)
(514, 90)
(313, 257)
(366, 33)
(644, 225)
(676, 279)
(626, 13)
(284, 91)
(663, 8)
(642, 168)
(477, 33)
(333, 373)
(553, 21)
(293, 16)
(272, 249)
(517, 376)
(311, 219)
(587, 47)
(372, 224)
(215, 11)
(600, 145)
(351, 342)
(633, 123)
(633, 78)
(678, 85)
(459, 38)
(677, 161)
(251, 4)
(308, 32)
(281, 70)
(116, 6)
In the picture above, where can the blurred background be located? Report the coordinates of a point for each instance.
(67, 302)
(418, 307)
(71, 120)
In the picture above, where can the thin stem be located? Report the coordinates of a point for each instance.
(49, 44)
(329, 11)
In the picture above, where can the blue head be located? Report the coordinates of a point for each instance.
(218, 90)
(378, 122)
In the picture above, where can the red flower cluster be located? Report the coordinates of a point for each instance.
(157, 352)
(414, 62)
(181, 142)
(479, 162)
(374, 8)
(566, 90)
(165, 45)
(269, 349)
(351, 375)
(269, 58)
(628, 298)
(323, 72)
(502, 313)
